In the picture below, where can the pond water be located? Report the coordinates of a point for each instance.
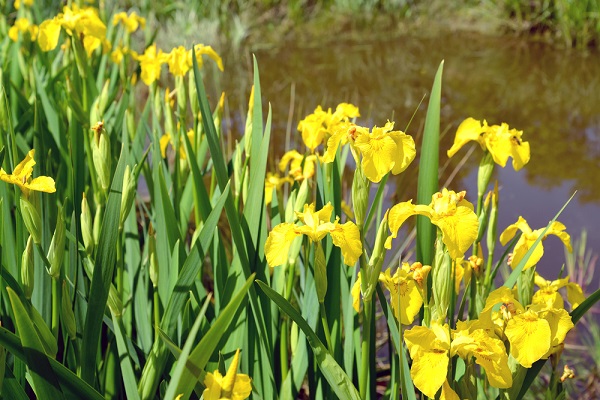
(552, 95)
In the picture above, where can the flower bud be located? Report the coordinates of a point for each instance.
(181, 95)
(27, 271)
(218, 113)
(360, 196)
(493, 223)
(238, 164)
(98, 223)
(128, 195)
(87, 230)
(371, 276)
(194, 105)
(320, 273)
(153, 264)
(66, 312)
(441, 281)
(31, 216)
(99, 105)
(114, 302)
(56, 252)
(301, 197)
(101, 156)
(486, 167)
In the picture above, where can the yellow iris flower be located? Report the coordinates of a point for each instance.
(317, 224)
(549, 296)
(534, 333)
(130, 22)
(80, 22)
(384, 150)
(320, 125)
(301, 167)
(27, 3)
(499, 140)
(272, 183)
(406, 290)
(232, 386)
(449, 211)
(22, 25)
(21, 177)
(150, 63)
(527, 239)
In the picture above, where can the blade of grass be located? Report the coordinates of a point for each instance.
(178, 374)
(103, 275)
(333, 373)
(428, 170)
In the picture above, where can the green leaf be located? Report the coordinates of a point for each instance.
(178, 374)
(428, 170)
(103, 275)
(129, 380)
(44, 380)
(333, 373)
(207, 346)
(514, 276)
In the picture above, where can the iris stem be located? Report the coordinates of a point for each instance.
(326, 327)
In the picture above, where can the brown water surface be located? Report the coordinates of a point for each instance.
(552, 95)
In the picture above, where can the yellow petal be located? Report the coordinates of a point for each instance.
(470, 129)
(405, 297)
(575, 294)
(405, 146)
(356, 294)
(529, 337)
(448, 393)
(511, 230)
(459, 230)
(347, 238)
(213, 386)
(278, 244)
(48, 34)
(396, 217)
(430, 359)
(42, 184)
(378, 155)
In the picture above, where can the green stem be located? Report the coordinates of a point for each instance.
(326, 327)
(283, 349)
(363, 378)
(120, 264)
(55, 307)
(156, 311)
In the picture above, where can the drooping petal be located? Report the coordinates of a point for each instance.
(347, 238)
(42, 184)
(511, 230)
(378, 155)
(575, 294)
(459, 230)
(396, 217)
(529, 337)
(430, 359)
(470, 129)
(447, 392)
(278, 243)
(48, 34)
(405, 146)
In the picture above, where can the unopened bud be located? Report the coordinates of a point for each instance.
(486, 167)
(360, 196)
(249, 119)
(371, 275)
(27, 271)
(98, 223)
(320, 273)
(87, 230)
(68, 317)
(218, 113)
(101, 156)
(181, 95)
(153, 264)
(31, 216)
(129, 186)
(99, 105)
(114, 302)
(194, 105)
(56, 252)
(441, 285)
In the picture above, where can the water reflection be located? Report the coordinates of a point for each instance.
(552, 95)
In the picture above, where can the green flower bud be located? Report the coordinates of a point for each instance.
(194, 105)
(114, 302)
(181, 95)
(31, 216)
(248, 128)
(320, 273)
(27, 271)
(56, 252)
(371, 276)
(129, 190)
(99, 105)
(66, 312)
(442, 281)
(98, 223)
(493, 222)
(301, 197)
(158, 108)
(87, 230)
(153, 267)
(486, 167)
(237, 169)
(101, 156)
(360, 196)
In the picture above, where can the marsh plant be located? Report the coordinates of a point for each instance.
(235, 276)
